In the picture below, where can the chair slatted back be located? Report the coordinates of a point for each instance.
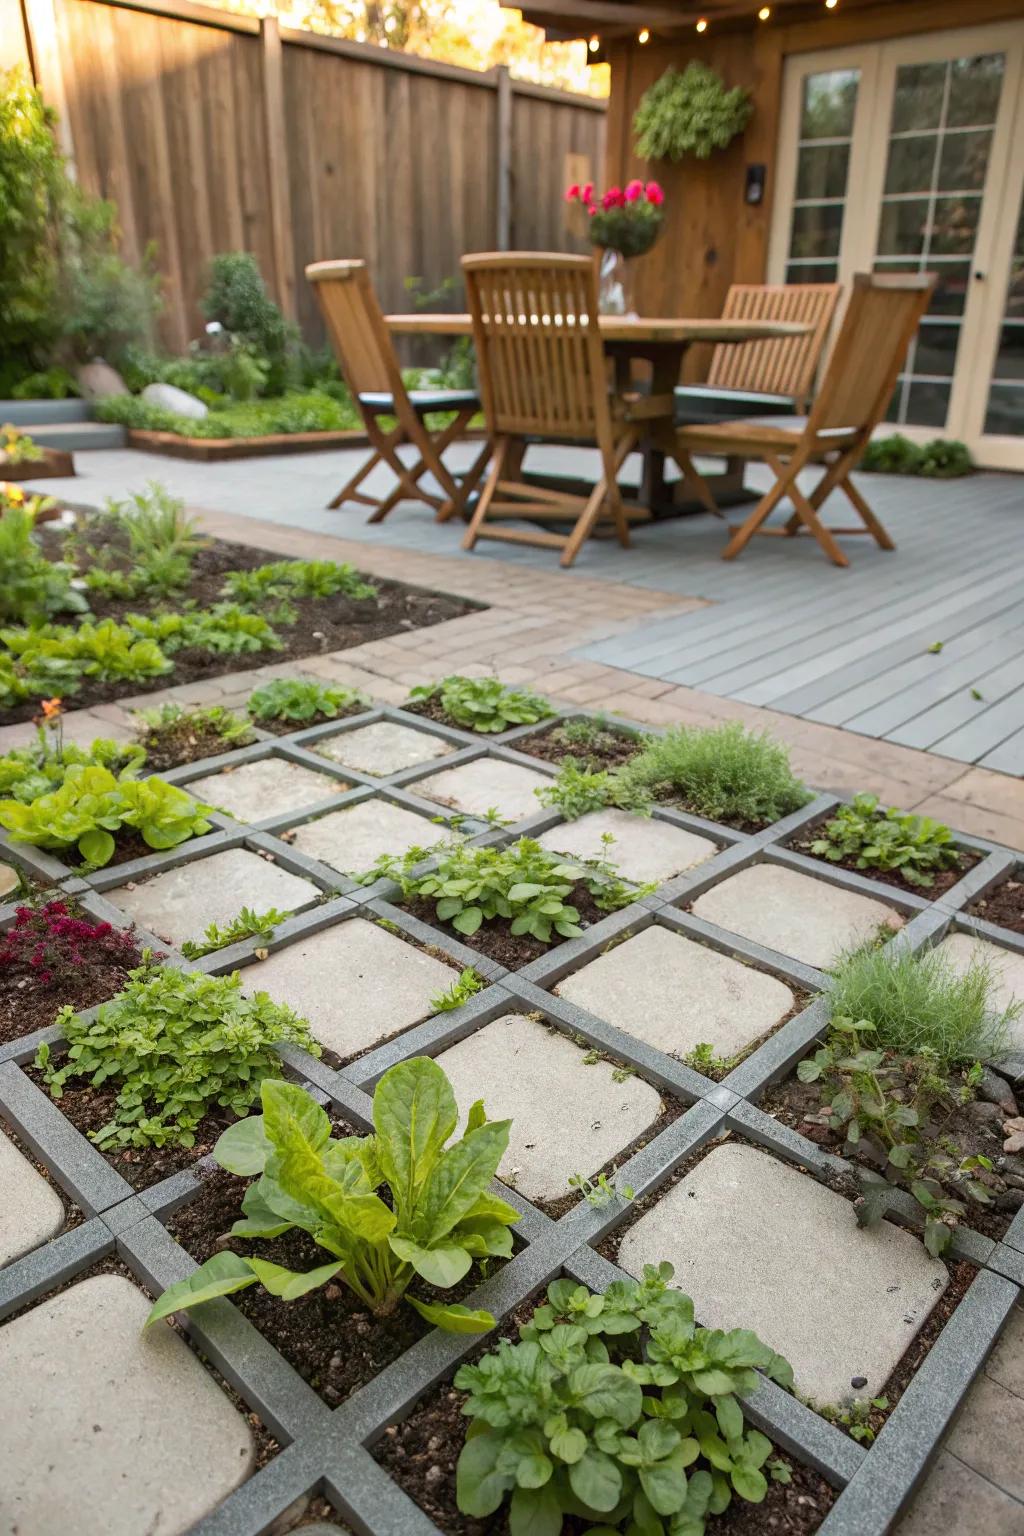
(355, 324)
(880, 321)
(788, 364)
(539, 354)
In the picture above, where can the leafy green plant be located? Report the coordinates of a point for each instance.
(616, 1409)
(285, 414)
(32, 588)
(296, 578)
(55, 383)
(704, 1058)
(919, 1003)
(599, 1192)
(92, 805)
(914, 846)
(26, 773)
(248, 924)
(484, 703)
(174, 731)
(225, 630)
(725, 773)
(236, 298)
(302, 699)
(575, 792)
(524, 884)
(177, 1044)
(107, 303)
(48, 658)
(18, 447)
(691, 113)
(439, 1216)
(32, 184)
(896, 455)
(163, 540)
(856, 1417)
(945, 459)
(466, 986)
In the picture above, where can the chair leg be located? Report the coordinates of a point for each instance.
(586, 520)
(695, 481)
(871, 522)
(785, 478)
(472, 533)
(470, 480)
(809, 517)
(348, 491)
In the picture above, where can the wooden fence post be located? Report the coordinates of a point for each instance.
(281, 227)
(503, 160)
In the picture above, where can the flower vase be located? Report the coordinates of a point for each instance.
(615, 284)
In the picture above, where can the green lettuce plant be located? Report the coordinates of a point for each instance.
(296, 578)
(302, 699)
(615, 1409)
(27, 773)
(54, 658)
(875, 838)
(691, 113)
(484, 703)
(177, 1044)
(438, 1216)
(91, 806)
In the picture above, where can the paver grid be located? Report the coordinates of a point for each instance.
(327, 1451)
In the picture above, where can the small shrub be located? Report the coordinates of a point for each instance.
(236, 297)
(54, 383)
(943, 459)
(612, 1405)
(296, 578)
(439, 1216)
(691, 113)
(286, 414)
(575, 792)
(484, 703)
(247, 925)
(914, 846)
(917, 1003)
(177, 1044)
(49, 942)
(302, 699)
(32, 588)
(726, 774)
(91, 805)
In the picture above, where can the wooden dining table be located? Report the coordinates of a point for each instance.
(660, 342)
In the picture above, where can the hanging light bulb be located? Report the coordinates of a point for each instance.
(702, 25)
(594, 44)
(643, 36)
(830, 5)
(764, 13)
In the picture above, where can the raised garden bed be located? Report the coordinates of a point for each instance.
(56, 463)
(212, 450)
(65, 958)
(1003, 904)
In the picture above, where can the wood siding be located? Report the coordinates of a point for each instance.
(213, 134)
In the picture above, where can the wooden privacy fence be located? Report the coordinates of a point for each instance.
(216, 132)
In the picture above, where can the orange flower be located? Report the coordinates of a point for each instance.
(51, 708)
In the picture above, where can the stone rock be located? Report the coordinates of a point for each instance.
(983, 1112)
(355, 983)
(352, 840)
(956, 1499)
(31, 1209)
(487, 783)
(794, 913)
(995, 1090)
(962, 949)
(169, 398)
(383, 747)
(10, 880)
(181, 903)
(644, 849)
(675, 994)
(270, 786)
(567, 1117)
(743, 1224)
(118, 1431)
(98, 381)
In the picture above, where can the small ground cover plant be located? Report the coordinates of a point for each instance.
(156, 548)
(32, 588)
(868, 836)
(616, 1409)
(172, 733)
(727, 774)
(247, 925)
(91, 806)
(296, 578)
(26, 773)
(467, 985)
(591, 741)
(940, 459)
(482, 703)
(576, 790)
(302, 701)
(177, 1044)
(439, 1216)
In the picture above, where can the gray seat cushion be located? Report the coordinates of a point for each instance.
(423, 399)
(698, 404)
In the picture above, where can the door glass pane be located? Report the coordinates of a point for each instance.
(1005, 412)
(827, 107)
(940, 136)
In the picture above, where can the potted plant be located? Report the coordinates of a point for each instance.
(623, 224)
(691, 113)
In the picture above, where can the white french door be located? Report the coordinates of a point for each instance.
(900, 157)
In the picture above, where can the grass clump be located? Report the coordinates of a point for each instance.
(919, 1004)
(726, 774)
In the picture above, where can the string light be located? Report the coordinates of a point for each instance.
(594, 44)
(830, 5)
(702, 25)
(764, 13)
(643, 36)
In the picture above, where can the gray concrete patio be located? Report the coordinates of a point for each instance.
(924, 648)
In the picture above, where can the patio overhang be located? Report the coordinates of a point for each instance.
(609, 19)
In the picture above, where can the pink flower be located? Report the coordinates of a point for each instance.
(654, 194)
(587, 192)
(572, 193)
(613, 198)
(634, 189)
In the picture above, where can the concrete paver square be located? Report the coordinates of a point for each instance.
(117, 1431)
(271, 786)
(675, 994)
(383, 747)
(567, 1117)
(9, 880)
(643, 849)
(956, 1499)
(759, 1245)
(794, 913)
(181, 903)
(31, 1209)
(352, 840)
(487, 783)
(355, 983)
(963, 949)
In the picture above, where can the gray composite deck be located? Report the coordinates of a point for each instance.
(785, 628)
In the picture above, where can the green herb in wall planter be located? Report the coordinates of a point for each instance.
(689, 114)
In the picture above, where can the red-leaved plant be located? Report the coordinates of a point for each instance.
(626, 219)
(46, 943)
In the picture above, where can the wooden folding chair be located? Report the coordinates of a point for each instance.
(756, 378)
(543, 375)
(880, 321)
(362, 343)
